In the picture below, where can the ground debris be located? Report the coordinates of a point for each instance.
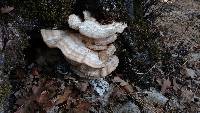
(155, 97)
(128, 107)
(100, 86)
(190, 73)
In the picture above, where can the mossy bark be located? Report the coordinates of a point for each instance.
(45, 13)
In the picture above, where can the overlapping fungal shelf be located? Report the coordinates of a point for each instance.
(90, 51)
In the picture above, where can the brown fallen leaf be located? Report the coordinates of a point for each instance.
(36, 90)
(20, 101)
(20, 110)
(29, 106)
(196, 48)
(83, 86)
(128, 88)
(159, 80)
(82, 107)
(187, 95)
(125, 85)
(43, 97)
(119, 80)
(166, 84)
(6, 9)
(175, 85)
(35, 71)
(44, 100)
(62, 98)
(20, 74)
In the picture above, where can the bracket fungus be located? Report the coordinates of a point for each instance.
(93, 29)
(91, 51)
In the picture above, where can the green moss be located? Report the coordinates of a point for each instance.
(49, 12)
(147, 40)
(4, 91)
(138, 49)
(13, 52)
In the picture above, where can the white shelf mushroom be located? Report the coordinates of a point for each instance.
(93, 29)
(90, 52)
(72, 47)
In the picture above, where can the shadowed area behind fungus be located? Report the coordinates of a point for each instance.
(47, 58)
